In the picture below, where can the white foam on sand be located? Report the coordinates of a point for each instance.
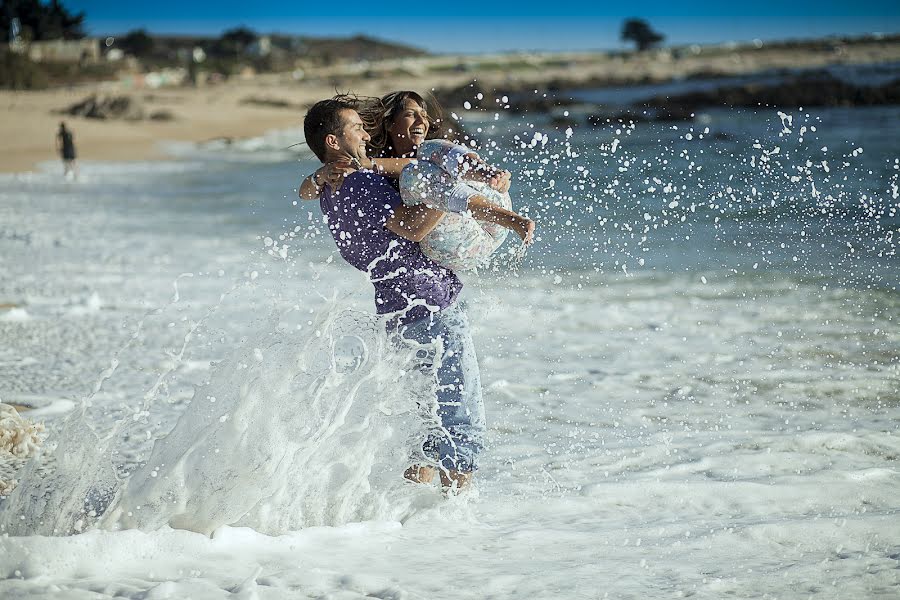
(15, 314)
(603, 474)
(274, 145)
(20, 438)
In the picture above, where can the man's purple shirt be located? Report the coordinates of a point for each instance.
(406, 281)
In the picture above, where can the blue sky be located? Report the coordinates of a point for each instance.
(501, 25)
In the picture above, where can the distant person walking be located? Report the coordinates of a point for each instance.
(65, 145)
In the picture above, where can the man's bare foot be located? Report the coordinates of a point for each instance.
(453, 482)
(419, 474)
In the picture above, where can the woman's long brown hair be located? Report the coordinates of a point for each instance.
(377, 115)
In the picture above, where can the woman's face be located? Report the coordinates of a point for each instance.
(409, 127)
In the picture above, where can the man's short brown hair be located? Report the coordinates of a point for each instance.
(324, 118)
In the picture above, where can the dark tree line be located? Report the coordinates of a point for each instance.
(39, 21)
(235, 41)
(137, 43)
(231, 44)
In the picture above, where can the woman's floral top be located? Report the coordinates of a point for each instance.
(458, 241)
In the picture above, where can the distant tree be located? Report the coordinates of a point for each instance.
(239, 36)
(137, 43)
(640, 32)
(234, 42)
(41, 21)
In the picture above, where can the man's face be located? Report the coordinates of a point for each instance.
(351, 140)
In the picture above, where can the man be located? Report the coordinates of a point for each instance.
(65, 146)
(377, 234)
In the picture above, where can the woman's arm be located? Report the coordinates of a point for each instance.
(332, 174)
(482, 209)
(462, 163)
(310, 187)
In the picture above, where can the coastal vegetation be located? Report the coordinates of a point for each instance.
(32, 20)
(19, 72)
(236, 52)
(28, 27)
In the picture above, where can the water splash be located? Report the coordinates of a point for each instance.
(288, 434)
(296, 427)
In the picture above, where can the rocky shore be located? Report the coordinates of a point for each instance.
(814, 90)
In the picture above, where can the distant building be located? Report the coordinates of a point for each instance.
(15, 28)
(261, 47)
(71, 51)
(68, 51)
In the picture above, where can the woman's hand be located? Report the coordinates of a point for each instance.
(475, 169)
(333, 173)
(500, 181)
(525, 228)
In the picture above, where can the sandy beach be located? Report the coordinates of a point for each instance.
(27, 131)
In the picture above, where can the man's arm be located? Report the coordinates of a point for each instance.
(413, 222)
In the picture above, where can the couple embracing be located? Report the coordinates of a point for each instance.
(409, 208)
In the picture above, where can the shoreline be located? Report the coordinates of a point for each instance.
(241, 109)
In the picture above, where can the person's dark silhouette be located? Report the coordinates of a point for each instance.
(65, 145)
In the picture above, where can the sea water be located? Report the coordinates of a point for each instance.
(692, 381)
